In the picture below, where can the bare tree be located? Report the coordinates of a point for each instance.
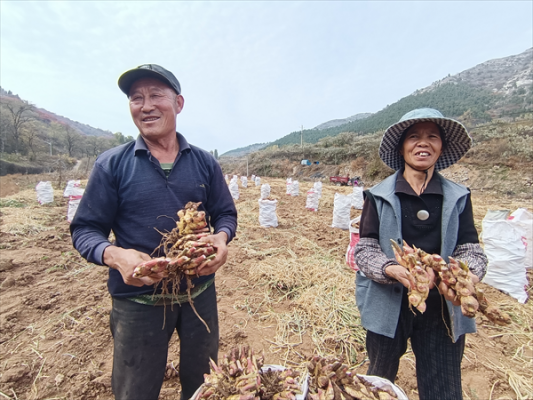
(30, 133)
(71, 139)
(5, 127)
(93, 145)
(19, 116)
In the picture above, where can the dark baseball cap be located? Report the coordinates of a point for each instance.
(148, 71)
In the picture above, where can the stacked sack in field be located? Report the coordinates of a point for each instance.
(234, 188)
(295, 191)
(289, 186)
(74, 193)
(45, 192)
(505, 244)
(357, 197)
(341, 211)
(267, 208)
(317, 187)
(265, 191)
(311, 202)
(267, 213)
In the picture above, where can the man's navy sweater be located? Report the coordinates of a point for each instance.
(129, 194)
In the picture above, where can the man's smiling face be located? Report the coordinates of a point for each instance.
(154, 107)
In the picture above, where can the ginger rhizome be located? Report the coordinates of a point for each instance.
(331, 379)
(240, 376)
(454, 274)
(184, 252)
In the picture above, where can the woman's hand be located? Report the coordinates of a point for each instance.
(402, 275)
(449, 293)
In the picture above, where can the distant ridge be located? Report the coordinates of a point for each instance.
(242, 151)
(342, 121)
(499, 88)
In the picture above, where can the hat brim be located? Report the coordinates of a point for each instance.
(129, 77)
(458, 142)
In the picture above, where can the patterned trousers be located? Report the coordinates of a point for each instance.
(438, 359)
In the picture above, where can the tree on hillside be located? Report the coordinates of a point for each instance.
(70, 139)
(30, 133)
(121, 139)
(19, 116)
(5, 127)
(215, 154)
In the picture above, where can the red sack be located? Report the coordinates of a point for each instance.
(354, 239)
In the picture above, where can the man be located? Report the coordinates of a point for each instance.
(135, 191)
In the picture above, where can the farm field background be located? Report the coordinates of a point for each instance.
(286, 291)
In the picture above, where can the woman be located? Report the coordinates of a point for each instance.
(420, 206)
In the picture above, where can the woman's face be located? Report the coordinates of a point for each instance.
(422, 146)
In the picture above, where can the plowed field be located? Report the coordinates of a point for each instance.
(285, 291)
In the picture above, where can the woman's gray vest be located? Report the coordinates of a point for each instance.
(379, 304)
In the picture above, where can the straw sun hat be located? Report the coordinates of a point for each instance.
(457, 139)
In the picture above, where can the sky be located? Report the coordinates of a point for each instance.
(250, 71)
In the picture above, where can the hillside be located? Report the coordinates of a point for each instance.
(47, 117)
(500, 88)
(34, 140)
(500, 161)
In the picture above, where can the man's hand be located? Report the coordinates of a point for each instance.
(449, 293)
(125, 261)
(219, 242)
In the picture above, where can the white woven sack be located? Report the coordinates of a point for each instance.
(257, 181)
(311, 202)
(45, 192)
(295, 191)
(289, 186)
(71, 185)
(253, 178)
(357, 197)
(267, 213)
(317, 187)
(244, 181)
(265, 191)
(524, 219)
(74, 202)
(341, 211)
(506, 252)
(234, 189)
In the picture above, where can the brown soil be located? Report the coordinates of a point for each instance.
(55, 341)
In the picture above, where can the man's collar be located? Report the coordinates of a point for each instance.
(140, 144)
(434, 186)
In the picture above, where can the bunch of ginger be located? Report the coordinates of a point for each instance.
(240, 376)
(454, 274)
(184, 253)
(330, 379)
